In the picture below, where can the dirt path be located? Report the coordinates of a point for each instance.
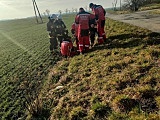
(142, 19)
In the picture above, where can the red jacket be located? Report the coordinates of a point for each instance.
(74, 29)
(99, 12)
(83, 20)
(66, 47)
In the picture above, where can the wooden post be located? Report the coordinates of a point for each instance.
(35, 10)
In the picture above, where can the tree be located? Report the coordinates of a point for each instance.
(60, 12)
(86, 8)
(115, 5)
(44, 13)
(66, 11)
(133, 5)
(76, 10)
(47, 11)
(120, 4)
(73, 10)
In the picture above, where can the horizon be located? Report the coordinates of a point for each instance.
(24, 9)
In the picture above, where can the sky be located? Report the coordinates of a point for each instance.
(13, 9)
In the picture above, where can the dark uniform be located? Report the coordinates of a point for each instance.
(92, 29)
(51, 28)
(60, 30)
(57, 31)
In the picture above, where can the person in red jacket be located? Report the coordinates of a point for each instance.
(83, 21)
(99, 13)
(92, 29)
(66, 47)
(74, 31)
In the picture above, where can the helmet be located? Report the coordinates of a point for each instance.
(53, 16)
(81, 9)
(90, 5)
(59, 17)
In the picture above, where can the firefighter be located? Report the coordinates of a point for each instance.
(83, 21)
(99, 13)
(74, 31)
(51, 26)
(61, 30)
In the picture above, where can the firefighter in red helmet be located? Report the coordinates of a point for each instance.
(83, 21)
(99, 13)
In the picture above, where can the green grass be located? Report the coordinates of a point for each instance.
(119, 79)
(151, 6)
(156, 12)
(143, 8)
(24, 57)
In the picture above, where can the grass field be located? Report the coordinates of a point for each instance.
(24, 58)
(117, 81)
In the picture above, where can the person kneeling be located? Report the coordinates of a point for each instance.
(67, 48)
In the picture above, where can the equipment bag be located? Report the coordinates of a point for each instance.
(66, 48)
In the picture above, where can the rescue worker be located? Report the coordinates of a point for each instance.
(74, 31)
(92, 29)
(66, 47)
(51, 26)
(60, 29)
(83, 21)
(99, 13)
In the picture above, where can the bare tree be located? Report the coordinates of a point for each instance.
(66, 11)
(73, 10)
(115, 5)
(44, 13)
(47, 11)
(120, 4)
(76, 10)
(60, 12)
(69, 11)
(86, 8)
(134, 5)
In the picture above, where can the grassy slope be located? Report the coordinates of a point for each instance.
(115, 81)
(98, 82)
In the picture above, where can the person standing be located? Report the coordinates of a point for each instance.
(51, 28)
(99, 13)
(83, 21)
(92, 29)
(60, 29)
(74, 31)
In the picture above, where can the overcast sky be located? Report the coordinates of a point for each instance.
(11, 9)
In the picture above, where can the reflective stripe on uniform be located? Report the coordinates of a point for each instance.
(66, 41)
(100, 37)
(80, 44)
(86, 45)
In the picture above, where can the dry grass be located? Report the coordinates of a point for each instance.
(118, 80)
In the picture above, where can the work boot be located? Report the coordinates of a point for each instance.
(92, 45)
(81, 53)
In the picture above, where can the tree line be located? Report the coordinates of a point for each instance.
(132, 5)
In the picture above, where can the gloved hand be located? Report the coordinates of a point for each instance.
(92, 25)
(72, 31)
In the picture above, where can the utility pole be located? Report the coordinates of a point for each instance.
(36, 10)
(120, 5)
